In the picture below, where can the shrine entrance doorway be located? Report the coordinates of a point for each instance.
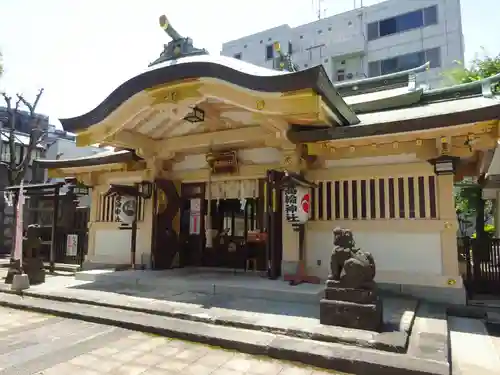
(234, 221)
(244, 220)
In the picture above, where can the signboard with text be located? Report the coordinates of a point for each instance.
(72, 245)
(297, 204)
(194, 217)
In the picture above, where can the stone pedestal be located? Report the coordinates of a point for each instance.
(14, 269)
(20, 283)
(351, 308)
(32, 267)
(35, 270)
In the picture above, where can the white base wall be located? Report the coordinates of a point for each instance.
(112, 246)
(400, 258)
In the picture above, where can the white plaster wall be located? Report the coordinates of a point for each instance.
(112, 246)
(398, 256)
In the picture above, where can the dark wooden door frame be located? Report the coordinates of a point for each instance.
(274, 223)
(165, 236)
(194, 190)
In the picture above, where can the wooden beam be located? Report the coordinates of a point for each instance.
(208, 140)
(131, 139)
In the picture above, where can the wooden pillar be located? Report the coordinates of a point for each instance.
(291, 256)
(133, 235)
(447, 213)
(54, 233)
(294, 236)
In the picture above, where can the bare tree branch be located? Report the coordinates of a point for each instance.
(31, 107)
(7, 100)
(16, 169)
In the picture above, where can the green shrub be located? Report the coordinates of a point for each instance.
(489, 229)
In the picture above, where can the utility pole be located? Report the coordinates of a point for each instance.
(360, 4)
(319, 10)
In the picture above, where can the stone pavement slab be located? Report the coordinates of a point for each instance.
(473, 350)
(429, 338)
(48, 345)
(349, 359)
(287, 318)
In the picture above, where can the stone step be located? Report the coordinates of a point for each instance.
(344, 358)
(493, 317)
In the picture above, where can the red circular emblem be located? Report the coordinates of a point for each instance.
(305, 203)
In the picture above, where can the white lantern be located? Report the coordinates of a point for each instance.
(297, 204)
(125, 209)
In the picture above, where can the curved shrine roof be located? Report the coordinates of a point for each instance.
(366, 107)
(233, 71)
(101, 158)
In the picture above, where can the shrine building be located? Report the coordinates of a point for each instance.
(218, 162)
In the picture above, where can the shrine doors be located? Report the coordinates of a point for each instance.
(166, 225)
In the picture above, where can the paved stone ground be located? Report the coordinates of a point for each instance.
(474, 349)
(291, 318)
(39, 344)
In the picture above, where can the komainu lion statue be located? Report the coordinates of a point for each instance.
(350, 267)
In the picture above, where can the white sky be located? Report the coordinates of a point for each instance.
(80, 50)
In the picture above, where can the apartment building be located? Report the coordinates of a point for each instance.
(387, 37)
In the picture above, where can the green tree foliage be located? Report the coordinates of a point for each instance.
(481, 67)
(468, 195)
(469, 202)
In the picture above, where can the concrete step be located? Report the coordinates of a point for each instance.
(493, 317)
(65, 267)
(344, 358)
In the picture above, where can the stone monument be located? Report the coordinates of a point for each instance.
(351, 299)
(32, 263)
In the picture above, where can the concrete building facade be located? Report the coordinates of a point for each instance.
(391, 36)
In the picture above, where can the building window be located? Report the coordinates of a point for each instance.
(409, 21)
(374, 68)
(320, 31)
(302, 37)
(237, 56)
(261, 41)
(433, 56)
(269, 52)
(430, 16)
(388, 27)
(245, 46)
(405, 62)
(372, 31)
(329, 29)
(269, 39)
(403, 22)
(340, 75)
(290, 49)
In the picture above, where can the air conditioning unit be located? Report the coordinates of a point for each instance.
(125, 209)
